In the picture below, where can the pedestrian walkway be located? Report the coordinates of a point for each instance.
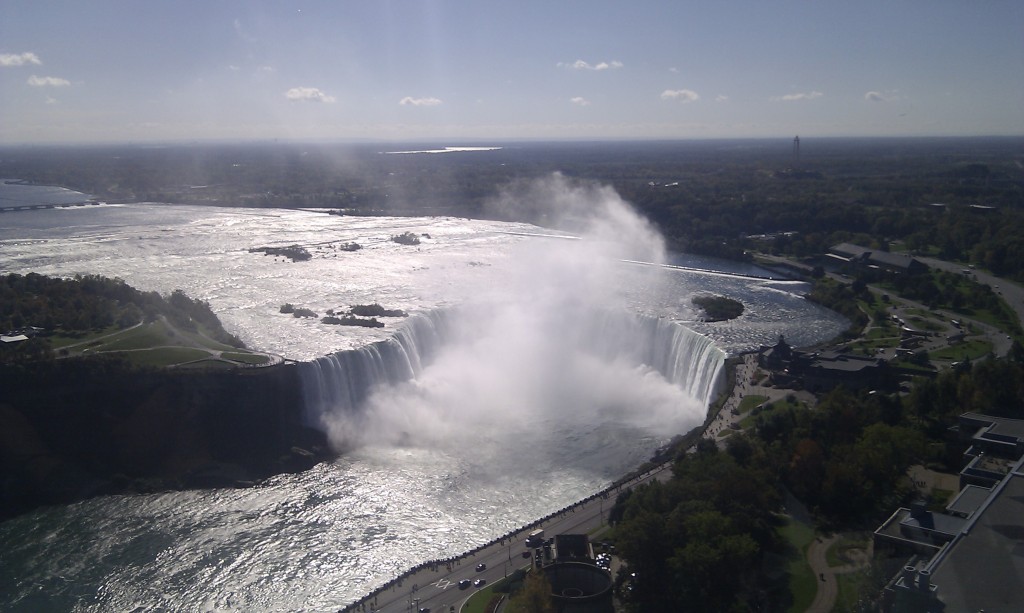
(828, 583)
(746, 384)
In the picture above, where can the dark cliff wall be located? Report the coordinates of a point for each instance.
(71, 429)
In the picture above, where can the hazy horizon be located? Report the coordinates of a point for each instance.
(119, 72)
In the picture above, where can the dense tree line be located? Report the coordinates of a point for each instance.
(707, 197)
(91, 303)
(697, 542)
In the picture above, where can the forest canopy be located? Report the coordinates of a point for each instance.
(44, 305)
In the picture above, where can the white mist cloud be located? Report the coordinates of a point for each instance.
(799, 96)
(410, 101)
(520, 370)
(584, 65)
(877, 96)
(19, 59)
(35, 81)
(580, 101)
(682, 95)
(307, 94)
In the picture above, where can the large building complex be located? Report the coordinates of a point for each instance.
(970, 557)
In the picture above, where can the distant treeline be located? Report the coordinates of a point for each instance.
(707, 197)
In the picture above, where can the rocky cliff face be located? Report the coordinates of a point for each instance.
(72, 429)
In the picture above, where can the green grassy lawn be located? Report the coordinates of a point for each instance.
(148, 335)
(885, 331)
(750, 402)
(165, 356)
(850, 586)
(245, 358)
(156, 344)
(803, 584)
(968, 350)
(59, 340)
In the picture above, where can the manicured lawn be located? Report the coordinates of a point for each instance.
(146, 336)
(803, 584)
(968, 350)
(850, 586)
(245, 358)
(165, 356)
(750, 402)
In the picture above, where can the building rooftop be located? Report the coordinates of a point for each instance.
(968, 500)
(986, 569)
(945, 525)
(1000, 426)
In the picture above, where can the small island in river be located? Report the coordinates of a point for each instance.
(718, 308)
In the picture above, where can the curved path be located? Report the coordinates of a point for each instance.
(828, 585)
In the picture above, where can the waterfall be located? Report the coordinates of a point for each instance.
(685, 358)
(338, 384)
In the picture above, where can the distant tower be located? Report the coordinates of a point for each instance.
(796, 151)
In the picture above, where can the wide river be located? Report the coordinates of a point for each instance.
(321, 539)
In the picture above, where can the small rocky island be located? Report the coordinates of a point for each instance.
(718, 308)
(360, 315)
(294, 252)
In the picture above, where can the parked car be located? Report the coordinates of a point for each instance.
(464, 584)
(481, 567)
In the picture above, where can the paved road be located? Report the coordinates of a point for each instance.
(436, 585)
(1012, 293)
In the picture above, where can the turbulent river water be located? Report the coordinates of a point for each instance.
(508, 421)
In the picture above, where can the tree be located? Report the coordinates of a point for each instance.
(533, 597)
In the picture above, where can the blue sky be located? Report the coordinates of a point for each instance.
(470, 71)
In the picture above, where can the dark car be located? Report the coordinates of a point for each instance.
(464, 584)
(479, 582)
(481, 566)
(526, 554)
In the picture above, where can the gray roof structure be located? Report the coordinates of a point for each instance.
(877, 257)
(984, 570)
(969, 500)
(974, 551)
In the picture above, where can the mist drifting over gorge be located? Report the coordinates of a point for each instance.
(535, 370)
(545, 345)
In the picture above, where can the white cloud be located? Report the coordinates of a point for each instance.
(583, 65)
(233, 68)
(721, 98)
(674, 70)
(682, 95)
(266, 69)
(307, 94)
(410, 101)
(580, 101)
(50, 100)
(35, 81)
(799, 96)
(19, 59)
(889, 96)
